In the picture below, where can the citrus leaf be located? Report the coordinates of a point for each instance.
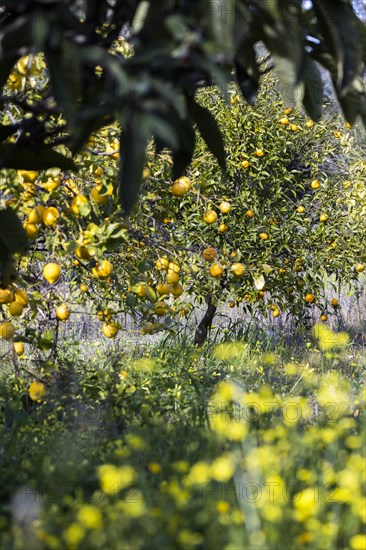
(12, 234)
(26, 158)
(134, 138)
(210, 132)
(259, 281)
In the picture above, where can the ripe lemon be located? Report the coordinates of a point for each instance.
(35, 216)
(210, 216)
(18, 348)
(232, 304)
(323, 218)
(337, 134)
(6, 295)
(245, 163)
(21, 296)
(172, 277)
(259, 152)
(249, 214)
(288, 110)
(178, 189)
(97, 196)
(15, 309)
(301, 209)
(83, 287)
(238, 269)
(51, 272)
(104, 269)
(323, 317)
(294, 128)
(225, 207)
(63, 312)
(146, 173)
(177, 290)
(109, 330)
(161, 308)
(186, 181)
(37, 391)
(315, 184)
(284, 120)
(7, 330)
(31, 230)
(77, 203)
(334, 302)
(174, 266)
(223, 228)
(309, 123)
(209, 254)
(263, 236)
(216, 270)
(52, 184)
(28, 176)
(359, 268)
(310, 298)
(276, 312)
(98, 171)
(82, 253)
(162, 264)
(163, 289)
(50, 216)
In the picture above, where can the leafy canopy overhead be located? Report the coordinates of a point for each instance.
(179, 46)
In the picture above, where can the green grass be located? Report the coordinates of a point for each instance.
(244, 445)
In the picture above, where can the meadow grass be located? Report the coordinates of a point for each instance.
(246, 443)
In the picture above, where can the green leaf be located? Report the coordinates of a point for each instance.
(259, 281)
(12, 234)
(341, 30)
(221, 17)
(26, 158)
(183, 154)
(210, 132)
(313, 90)
(64, 68)
(14, 37)
(134, 139)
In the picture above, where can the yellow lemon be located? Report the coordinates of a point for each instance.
(323, 218)
(249, 214)
(238, 269)
(15, 309)
(35, 216)
(37, 391)
(334, 302)
(51, 272)
(177, 290)
(63, 312)
(245, 163)
(21, 296)
(178, 189)
(161, 308)
(6, 295)
(209, 254)
(301, 209)
(210, 216)
(315, 184)
(284, 120)
(216, 270)
(18, 348)
(172, 277)
(77, 203)
(31, 230)
(223, 228)
(359, 268)
(109, 330)
(163, 289)
(162, 264)
(310, 298)
(83, 287)
(50, 216)
(7, 330)
(263, 236)
(225, 207)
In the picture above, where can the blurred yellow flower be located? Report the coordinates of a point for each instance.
(74, 534)
(115, 478)
(358, 542)
(154, 468)
(90, 516)
(222, 469)
(222, 507)
(306, 503)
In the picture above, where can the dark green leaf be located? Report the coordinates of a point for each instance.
(134, 138)
(26, 158)
(210, 132)
(313, 90)
(12, 234)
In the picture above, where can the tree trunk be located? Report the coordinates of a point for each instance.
(205, 323)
